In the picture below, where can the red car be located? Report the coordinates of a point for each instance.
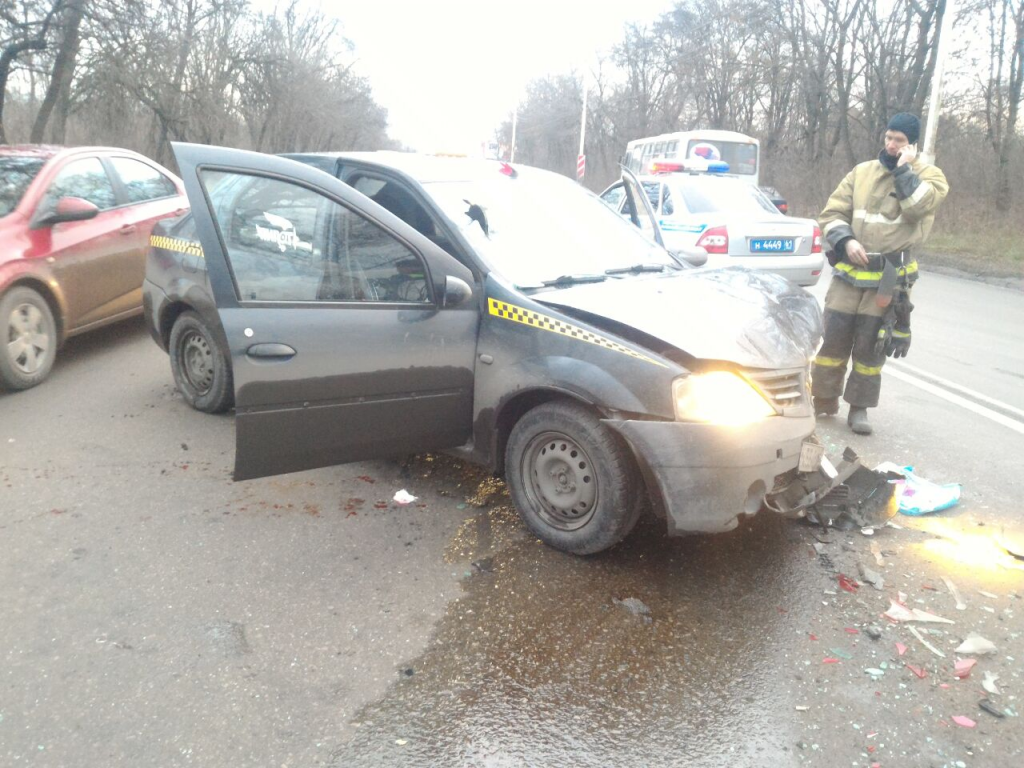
(74, 231)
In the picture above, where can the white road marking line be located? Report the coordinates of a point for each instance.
(950, 385)
(963, 402)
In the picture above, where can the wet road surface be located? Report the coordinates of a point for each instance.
(155, 613)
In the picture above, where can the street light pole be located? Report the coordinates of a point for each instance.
(515, 118)
(935, 104)
(583, 125)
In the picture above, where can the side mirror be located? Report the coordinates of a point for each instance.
(66, 209)
(695, 257)
(456, 292)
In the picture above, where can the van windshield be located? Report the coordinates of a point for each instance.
(539, 226)
(16, 173)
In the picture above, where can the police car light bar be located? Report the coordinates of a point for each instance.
(693, 165)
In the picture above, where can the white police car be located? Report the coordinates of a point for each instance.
(731, 220)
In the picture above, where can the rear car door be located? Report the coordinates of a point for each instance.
(342, 343)
(148, 196)
(89, 257)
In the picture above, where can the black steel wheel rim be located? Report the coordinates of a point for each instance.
(559, 480)
(197, 361)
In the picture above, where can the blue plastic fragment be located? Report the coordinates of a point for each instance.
(919, 496)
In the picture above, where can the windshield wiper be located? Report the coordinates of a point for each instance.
(574, 280)
(636, 269)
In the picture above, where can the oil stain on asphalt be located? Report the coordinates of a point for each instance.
(659, 652)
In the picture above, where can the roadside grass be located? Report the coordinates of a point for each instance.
(992, 251)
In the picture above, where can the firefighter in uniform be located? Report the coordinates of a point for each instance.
(881, 211)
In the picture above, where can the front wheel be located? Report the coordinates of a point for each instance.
(200, 368)
(573, 480)
(30, 342)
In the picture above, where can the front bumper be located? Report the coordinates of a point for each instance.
(702, 477)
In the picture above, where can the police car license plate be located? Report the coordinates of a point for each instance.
(772, 244)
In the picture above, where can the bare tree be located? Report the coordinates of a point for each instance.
(60, 77)
(20, 34)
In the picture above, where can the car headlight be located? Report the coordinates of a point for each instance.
(719, 397)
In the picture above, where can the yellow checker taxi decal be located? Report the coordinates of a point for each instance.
(546, 323)
(177, 245)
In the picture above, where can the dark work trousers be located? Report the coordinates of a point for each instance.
(852, 320)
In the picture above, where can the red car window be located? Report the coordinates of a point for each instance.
(85, 178)
(16, 173)
(142, 182)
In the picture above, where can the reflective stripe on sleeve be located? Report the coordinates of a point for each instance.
(900, 334)
(832, 225)
(922, 189)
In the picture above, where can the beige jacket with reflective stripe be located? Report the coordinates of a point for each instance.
(886, 211)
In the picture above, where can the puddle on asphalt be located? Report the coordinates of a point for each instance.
(540, 663)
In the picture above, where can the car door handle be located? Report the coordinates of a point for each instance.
(127, 229)
(272, 350)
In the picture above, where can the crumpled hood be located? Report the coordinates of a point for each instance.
(753, 319)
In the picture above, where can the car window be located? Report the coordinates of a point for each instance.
(722, 195)
(651, 188)
(741, 157)
(142, 182)
(667, 207)
(287, 243)
(16, 173)
(614, 196)
(85, 178)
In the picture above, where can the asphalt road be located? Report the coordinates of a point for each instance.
(154, 613)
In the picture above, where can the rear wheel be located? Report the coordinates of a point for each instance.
(200, 368)
(29, 339)
(573, 480)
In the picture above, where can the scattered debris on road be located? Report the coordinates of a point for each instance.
(403, 497)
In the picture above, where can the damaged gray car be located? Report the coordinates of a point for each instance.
(368, 305)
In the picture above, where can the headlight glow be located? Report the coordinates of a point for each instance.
(719, 397)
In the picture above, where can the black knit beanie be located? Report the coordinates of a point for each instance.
(907, 124)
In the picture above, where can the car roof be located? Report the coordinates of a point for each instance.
(44, 151)
(421, 167)
(47, 151)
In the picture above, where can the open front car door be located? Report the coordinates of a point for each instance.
(342, 344)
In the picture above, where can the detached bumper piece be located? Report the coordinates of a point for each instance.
(844, 496)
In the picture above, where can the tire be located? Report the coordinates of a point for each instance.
(573, 480)
(199, 366)
(29, 339)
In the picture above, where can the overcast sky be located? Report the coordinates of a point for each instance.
(449, 71)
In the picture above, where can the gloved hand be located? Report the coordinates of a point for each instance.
(898, 344)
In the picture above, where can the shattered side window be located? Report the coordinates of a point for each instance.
(287, 243)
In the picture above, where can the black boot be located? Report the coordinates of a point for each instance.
(858, 420)
(826, 406)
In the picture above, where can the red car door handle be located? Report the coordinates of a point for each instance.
(127, 229)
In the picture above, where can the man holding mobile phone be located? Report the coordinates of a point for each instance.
(878, 214)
